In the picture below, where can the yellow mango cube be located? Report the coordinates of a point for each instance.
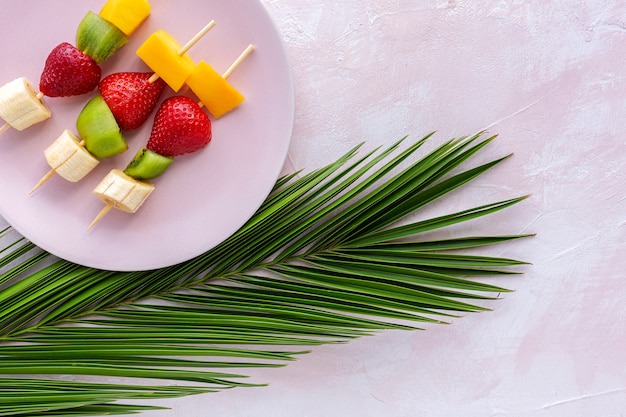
(217, 94)
(160, 53)
(126, 15)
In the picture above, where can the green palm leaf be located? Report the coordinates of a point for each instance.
(327, 258)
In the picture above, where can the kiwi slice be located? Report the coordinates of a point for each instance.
(97, 126)
(98, 38)
(147, 165)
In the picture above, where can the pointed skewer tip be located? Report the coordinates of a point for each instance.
(105, 210)
(43, 180)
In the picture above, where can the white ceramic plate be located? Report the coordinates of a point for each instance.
(204, 197)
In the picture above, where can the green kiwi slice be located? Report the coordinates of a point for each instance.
(147, 164)
(97, 126)
(98, 38)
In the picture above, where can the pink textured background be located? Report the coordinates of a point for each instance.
(550, 79)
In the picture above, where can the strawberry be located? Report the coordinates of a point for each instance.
(131, 97)
(180, 127)
(68, 72)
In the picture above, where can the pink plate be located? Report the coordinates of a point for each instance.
(204, 197)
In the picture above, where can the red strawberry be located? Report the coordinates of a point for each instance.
(68, 72)
(131, 97)
(180, 127)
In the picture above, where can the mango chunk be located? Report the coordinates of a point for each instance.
(160, 53)
(216, 93)
(127, 15)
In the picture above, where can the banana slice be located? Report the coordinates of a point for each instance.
(69, 158)
(20, 105)
(122, 191)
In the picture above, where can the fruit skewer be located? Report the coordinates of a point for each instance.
(180, 127)
(72, 70)
(20, 106)
(71, 158)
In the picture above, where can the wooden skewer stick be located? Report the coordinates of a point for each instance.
(43, 180)
(105, 210)
(6, 126)
(188, 45)
(249, 49)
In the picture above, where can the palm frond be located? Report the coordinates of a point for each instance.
(36, 397)
(326, 259)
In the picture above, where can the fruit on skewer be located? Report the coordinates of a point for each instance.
(98, 37)
(70, 157)
(126, 100)
(68, 72)
(73, 70)
(124, 92)
(21, 106)
(98, 128)
(99, 136)
(180, 127)
(131, 97)
(126, 15)
(213, 89)
(179, 118)
(160, 52)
